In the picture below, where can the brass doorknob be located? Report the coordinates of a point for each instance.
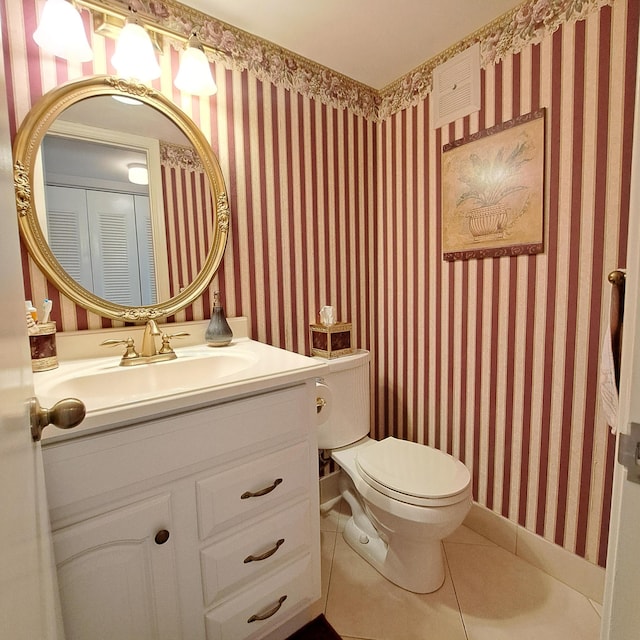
(65, 414)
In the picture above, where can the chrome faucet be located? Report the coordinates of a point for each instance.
(148, 339)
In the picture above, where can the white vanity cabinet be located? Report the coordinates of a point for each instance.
(202, 525)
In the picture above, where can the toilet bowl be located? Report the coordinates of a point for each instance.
(404, 497)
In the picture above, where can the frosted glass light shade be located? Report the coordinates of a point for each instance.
(61, 32)
(134, 56)
(194, 75)
(138, 173)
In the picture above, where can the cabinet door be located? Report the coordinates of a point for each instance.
(117, 576)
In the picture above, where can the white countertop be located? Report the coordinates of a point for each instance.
(266, 367)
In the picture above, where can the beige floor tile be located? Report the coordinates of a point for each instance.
(329, 518)
(335, 518)
(503, 597)
(363, 604)
(464, 535)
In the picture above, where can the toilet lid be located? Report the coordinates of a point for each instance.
(413, 472)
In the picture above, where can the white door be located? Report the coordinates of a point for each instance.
(621, 616)
(28, 608)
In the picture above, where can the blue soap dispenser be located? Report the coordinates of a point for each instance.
(218, 333)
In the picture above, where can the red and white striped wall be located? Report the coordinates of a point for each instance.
(188, 221)
(300, 181)
(494, 360)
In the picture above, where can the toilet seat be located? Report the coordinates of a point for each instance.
(413, 473)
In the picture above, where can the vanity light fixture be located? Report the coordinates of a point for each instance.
(134, 57)
(138, 173)
(136, 34)
(194, 75)
(61, 32)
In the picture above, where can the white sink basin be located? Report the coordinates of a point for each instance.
(115, 395)
(100, 384)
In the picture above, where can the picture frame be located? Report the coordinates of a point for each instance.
(493, 191)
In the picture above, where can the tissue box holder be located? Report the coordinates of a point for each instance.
(331, 341)
(42, 341)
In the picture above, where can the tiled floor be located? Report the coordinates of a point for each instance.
(488, 594)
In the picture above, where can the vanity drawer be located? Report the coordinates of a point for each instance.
(82, 468)
(258, 610)
(255, 550)
(243, 492)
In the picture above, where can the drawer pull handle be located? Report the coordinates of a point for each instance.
(266, 554)
(262, 492)
(268, 614)
(162, 536)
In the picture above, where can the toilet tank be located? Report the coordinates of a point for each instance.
(345, 389)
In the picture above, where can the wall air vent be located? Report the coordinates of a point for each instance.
(456, 87)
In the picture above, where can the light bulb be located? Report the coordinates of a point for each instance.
(61, 32)
(134, 56)
(194, 75)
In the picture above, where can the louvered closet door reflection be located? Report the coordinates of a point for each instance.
(146, 256)
(114, 247)
(103, 240)
(68, 232)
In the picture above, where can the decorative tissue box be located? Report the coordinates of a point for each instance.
(42, 340)
(331, 341)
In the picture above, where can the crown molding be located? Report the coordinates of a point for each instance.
(528, 23)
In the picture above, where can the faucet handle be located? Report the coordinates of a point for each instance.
(166, 346)
(130, 353)
(180, 334)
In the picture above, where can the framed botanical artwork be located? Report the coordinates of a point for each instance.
(493, 191)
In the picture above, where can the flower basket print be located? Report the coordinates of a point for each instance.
(488, 182)
(492, 191)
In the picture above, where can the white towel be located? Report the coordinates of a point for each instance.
(608, 387)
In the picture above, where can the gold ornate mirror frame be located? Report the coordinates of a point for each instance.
(25, 151)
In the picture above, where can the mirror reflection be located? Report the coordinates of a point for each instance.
(119, 182)
(98, 225)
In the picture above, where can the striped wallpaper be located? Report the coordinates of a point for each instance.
(185, 190)
(492, 360)
(496, 360)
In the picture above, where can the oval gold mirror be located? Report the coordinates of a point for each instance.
(122, 246)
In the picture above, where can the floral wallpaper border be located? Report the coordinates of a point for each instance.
(527, 23)
(180, 156)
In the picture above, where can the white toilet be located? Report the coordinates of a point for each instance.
(404, 497)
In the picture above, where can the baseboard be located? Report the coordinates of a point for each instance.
(574, 571)
(330, 487)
